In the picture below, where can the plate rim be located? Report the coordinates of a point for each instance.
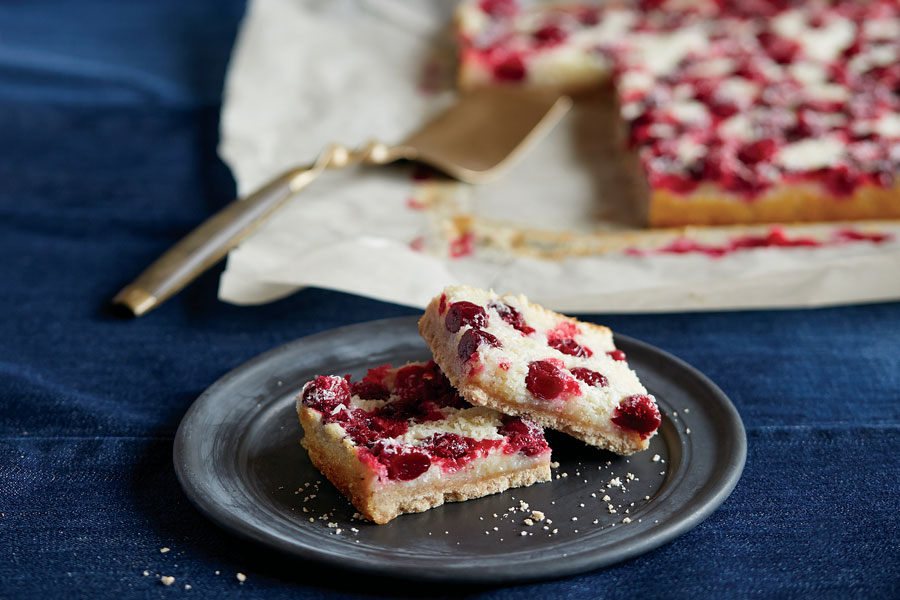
(579, 561)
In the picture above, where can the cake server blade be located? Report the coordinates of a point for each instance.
(476, 140)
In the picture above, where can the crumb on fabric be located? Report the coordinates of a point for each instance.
(241, 577)
(167, 580)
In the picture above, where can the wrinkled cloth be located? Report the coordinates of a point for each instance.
(109, 118)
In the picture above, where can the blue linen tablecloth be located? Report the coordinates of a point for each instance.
(108, 114)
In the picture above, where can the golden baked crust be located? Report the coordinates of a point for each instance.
(786, 204)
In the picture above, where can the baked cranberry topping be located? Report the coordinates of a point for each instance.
(556, 362)
(369, 390)
(425, 385)
(756, 90)
(617, 354)
(465, 314)
(638, 413)
(550, 35)
(781, 50)
(511, 316)
(449, 445)
(570, 347)
(510, 68)
(364, 428)
(498, 8)
(547, 381)
(472, 339)
(377, 374)
(523, 435)
(326, 392)
(564, 330)
(588, 15)
(757, 151)
(403, 463)
(841, 181)
(592, 378)
(442, 304)
(453, 451)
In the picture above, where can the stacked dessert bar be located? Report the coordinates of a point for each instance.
(468, 423)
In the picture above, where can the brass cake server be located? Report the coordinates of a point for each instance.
(475, 140)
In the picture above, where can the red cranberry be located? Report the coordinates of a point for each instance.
(377, 374)
(408, 382)
(588, 15)
(803, 128)
(326, 392)
(545, 380)
(757, 151)
(449, 445)
(779, 49)
(723, 110)
(675, 183)
(550, 35)
(498, 8)
(472, 339)
(617, 355)
(563, 330)
(639, 414)
(510, 68)
(465, 314)
(570, 347)
(592, 378)
(403, 464)
(354, 423)
(841, 181)
(442, 304)
(523, 435)
(423, 387)
(369, 390)
(853, 49)
(742, 184)
(511, 316)
(364, 428)
(386, 427)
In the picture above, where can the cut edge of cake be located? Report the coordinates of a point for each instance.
(339, 463)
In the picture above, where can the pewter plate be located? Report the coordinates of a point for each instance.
(238, 457)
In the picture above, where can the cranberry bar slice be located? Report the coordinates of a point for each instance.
(402, 440)
(521, 359)
(738, 112)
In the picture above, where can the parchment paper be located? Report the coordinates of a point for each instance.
(307, 73)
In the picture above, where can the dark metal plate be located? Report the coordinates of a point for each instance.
(238, 458)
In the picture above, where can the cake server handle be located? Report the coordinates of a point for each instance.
(210, 242)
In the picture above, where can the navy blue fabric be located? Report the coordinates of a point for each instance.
(108, 114)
